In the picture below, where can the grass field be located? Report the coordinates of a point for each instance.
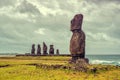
(29, 68)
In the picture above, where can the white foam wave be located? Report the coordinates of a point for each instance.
(118, 62)
(102, 62)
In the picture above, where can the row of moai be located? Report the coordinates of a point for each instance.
(45, 48)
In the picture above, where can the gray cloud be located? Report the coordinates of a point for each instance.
(6, 2)
(26, 7)
(25, 22)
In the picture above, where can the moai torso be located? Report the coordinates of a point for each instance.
(51, 50)
(77, 42)
(44, 49)
(38, 50)
(33, 49)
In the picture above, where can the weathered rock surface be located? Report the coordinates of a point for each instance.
(81, 64)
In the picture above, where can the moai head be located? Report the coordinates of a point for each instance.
(44, 45)
(51, 46)
(57, 51)
(44, 48)
(33, 46)
(33, 49)
(76, 22)
(39, 49)
(38, 45)
(51, 50)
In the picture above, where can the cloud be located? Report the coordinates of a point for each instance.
(102, 37)
(26, 7)
(24, 22)
(40, 31)
(6, 3)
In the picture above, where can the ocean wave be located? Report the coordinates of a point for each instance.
(118, 62)
(105, 62)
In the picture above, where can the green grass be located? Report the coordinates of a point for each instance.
(19, 69)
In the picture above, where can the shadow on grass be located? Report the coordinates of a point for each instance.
(50, 66)
(2, 66)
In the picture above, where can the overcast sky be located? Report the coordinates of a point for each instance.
(24, 22)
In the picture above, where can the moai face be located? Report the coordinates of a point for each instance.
(51, 50)
(51, 46)
(38, 45)
(57, 51)
(76, 22)
(44, 46)
(33, 49)
(39, 49)
(33, 46)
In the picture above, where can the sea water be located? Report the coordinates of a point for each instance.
(104, 59)
(7, 55)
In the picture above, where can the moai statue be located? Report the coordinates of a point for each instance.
(77, 42)
(33, 49)
(44, 49)
(38, 50)
(57, 52)
(51, 50)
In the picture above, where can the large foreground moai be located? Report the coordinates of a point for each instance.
(51, 50)
(38, 50)
(44, 49)
(33, 49)
(77, 42)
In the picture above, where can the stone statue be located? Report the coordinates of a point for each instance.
(38, 50)
(44, 49)
(57, 52)
(33, 49)
(51, 50)
(77, 42)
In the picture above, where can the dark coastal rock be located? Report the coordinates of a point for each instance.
(33, 49)
(44, 49)
(51, 50)
(38, 50)
(77, 42)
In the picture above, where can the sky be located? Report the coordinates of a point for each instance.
(27, 22)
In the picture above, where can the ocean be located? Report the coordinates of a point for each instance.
(104, 59)
(95, 59)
